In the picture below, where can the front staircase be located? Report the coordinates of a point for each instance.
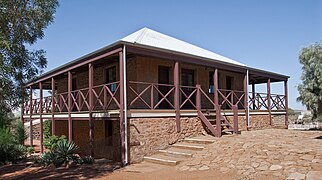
(180, 151)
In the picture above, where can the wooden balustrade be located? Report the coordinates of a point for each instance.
(152, 96)
(143, 95)
(260, 101)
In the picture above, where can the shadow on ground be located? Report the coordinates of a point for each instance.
(25, 171)
(318, 137)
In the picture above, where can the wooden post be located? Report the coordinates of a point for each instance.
(246, 99)
(53, 127)
(176, 82)
(30, 116)
(286, 103)
(253, 95)
(217, 107)
(22, 110)
(235, 110)
(90, 98)
(122, 131)
(269, 100)
(70, 123)
(198, 98)
(41, 119)
(151, 98)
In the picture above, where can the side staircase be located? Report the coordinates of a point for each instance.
(179, 151)
(223, 126)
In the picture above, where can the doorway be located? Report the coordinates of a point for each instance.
(163, 78)
(188, 79)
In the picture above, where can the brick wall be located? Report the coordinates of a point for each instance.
(147, 135)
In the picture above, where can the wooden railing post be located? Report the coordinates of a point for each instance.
(40, 118)
(70, 123)
(253, 95)
(53, 125)
(217, 107)
(269, 100)
(235, 110)
(176, 82)
(151, 97)
(246, 100)
(30, 117)
(105, 96)
(198, 98)
(286, 103)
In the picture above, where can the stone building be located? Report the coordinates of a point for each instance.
(149, 90)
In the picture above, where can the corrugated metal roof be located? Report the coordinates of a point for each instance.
(148, 37)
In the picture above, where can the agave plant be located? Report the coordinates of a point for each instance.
(65, 151)
(48, 158)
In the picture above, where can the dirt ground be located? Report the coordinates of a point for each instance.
(260, 154)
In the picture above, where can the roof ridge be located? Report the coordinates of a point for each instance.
(140, 37)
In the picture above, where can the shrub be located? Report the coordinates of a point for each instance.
(21, 135)
(52, 141)
(10, 149)
(86, 160)
(47, 129)
(30, 150)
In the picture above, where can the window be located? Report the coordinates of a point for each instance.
(211, 82)
(110, 77)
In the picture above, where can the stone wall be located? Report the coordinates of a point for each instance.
(260, 122)
(147, 135)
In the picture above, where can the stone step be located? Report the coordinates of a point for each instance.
(188, 146)
(161, 160)
(175, 153)
(228, 130)
(198, 140)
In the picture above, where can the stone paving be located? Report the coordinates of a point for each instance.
(262, 154)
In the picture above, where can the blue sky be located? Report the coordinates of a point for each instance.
(261, 34)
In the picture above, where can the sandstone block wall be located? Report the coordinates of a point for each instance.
(260, 121)
(147, 135)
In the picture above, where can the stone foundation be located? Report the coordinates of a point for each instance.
(147, 135)
(260, 122)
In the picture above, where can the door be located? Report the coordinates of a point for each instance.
(163, 78)
(188, 79)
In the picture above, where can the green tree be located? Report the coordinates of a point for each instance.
(22, 23)
(311, 87)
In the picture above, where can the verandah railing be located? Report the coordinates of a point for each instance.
(260, 101)
(105, 97)
(144, 95)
